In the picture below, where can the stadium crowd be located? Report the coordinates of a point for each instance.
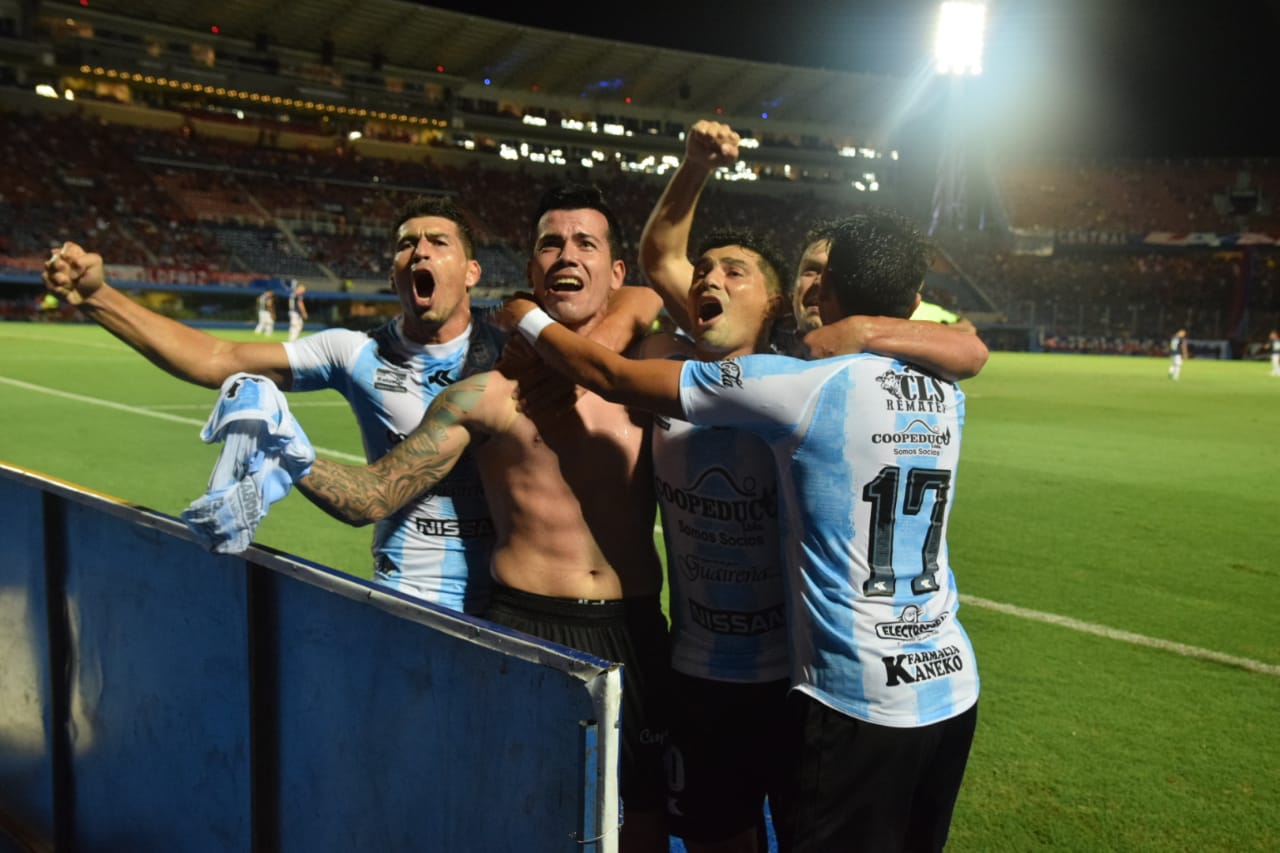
(182, 200)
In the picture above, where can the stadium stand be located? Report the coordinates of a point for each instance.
(187, 185)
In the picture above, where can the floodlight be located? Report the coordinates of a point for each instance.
(957, 46)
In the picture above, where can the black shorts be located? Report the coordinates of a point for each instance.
(860, 786)
(632, 632)
(725, 755)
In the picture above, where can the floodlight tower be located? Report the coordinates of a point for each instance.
(957, 55)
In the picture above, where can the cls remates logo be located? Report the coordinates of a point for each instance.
(912, 392)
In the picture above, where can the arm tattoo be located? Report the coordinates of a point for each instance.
(359, 495)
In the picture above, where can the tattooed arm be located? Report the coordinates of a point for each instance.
(360, 495)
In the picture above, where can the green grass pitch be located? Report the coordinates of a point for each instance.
(1139, 513)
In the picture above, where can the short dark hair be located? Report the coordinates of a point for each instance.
(442, 206)
(819, 232)
(877, 264)
(771, 263)
(578, 197)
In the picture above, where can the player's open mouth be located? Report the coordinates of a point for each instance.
(709, 308)
(565, 284)
(424, 284)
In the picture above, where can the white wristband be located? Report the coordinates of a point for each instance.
(532, 324)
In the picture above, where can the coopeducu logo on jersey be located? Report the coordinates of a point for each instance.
(909, 627)
(915, 433)
(922, 666)
(756, 504)
(743, 623)
(386, 379)
(730, 374)
(912, 392)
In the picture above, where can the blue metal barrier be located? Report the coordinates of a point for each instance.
(156, 697)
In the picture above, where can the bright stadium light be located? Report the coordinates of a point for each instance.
(957, 45)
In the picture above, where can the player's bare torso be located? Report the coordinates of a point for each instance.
(553, 484)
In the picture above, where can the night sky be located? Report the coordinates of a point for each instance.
(1120, 77)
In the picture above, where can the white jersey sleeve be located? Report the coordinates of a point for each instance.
(866, 449)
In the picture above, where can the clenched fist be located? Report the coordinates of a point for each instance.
(72, 273)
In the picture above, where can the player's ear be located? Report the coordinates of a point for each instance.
(778, 302)
(473, 273)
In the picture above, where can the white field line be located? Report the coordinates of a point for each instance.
(1123, 636)
(149, 413)
(62, 342)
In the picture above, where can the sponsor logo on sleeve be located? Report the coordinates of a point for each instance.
(730, 374)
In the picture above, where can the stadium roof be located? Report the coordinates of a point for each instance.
(517, 58)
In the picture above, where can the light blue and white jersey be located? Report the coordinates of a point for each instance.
(437, 548)
(718, 494)
(866, 449)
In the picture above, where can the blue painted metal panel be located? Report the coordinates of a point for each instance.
(395, 739)
(26, 759)
(212, 704)
(159, 690)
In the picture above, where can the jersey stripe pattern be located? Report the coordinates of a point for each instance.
(717, 492)
(866, 449)
(437, 548)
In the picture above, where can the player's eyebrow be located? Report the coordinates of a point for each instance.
(706, 262)
(430, 235)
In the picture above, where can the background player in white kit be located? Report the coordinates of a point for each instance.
(297, 309)
(1177, 352)
(1273, 341)
(884, 679)
(266, 303)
